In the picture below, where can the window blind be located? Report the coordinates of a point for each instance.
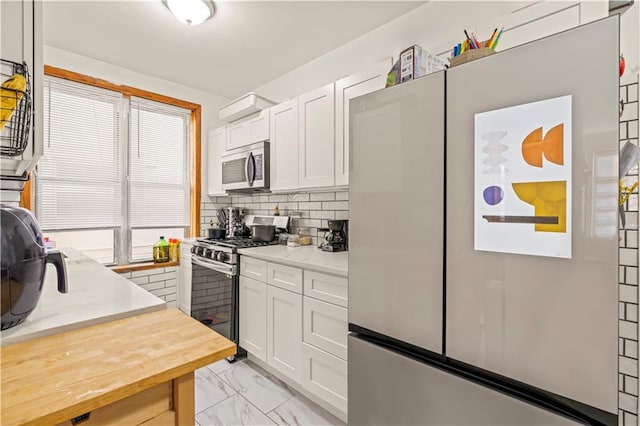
(159, 180)
(79, 176)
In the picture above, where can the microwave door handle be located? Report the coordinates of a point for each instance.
(247, 174)
(251, 169)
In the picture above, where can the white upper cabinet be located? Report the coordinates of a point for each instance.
(21, 41)
(215, 148)
(284, 145)
(347, 89)
(317, 135)
(246, 131)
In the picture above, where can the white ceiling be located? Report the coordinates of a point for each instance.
(245, 45)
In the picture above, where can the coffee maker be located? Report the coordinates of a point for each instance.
(338, 237)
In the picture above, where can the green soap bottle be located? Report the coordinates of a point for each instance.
(161, 251)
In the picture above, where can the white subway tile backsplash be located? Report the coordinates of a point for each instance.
(335, 205)
(632, 129)
(631, 348)
(628, 403)
(315, 205)
(141, 280)
(628, 330)
(630, 112)
(628, 366)
(147, 272)
(323, 196)
(164, 291)
(629, 419)
(342, 196)
(162, 277)
(632, 312)
(342, 215)
(628, 293)
(278, 198)
(631, 275)
(153, 286)
(632, 93)
(298, 197)
(632, 239)
(628, 257)
(322, 214)
(623, 94)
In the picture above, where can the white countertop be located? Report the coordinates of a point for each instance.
(307, 257)
(96, 295)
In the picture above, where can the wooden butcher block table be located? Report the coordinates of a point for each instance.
(137, 370)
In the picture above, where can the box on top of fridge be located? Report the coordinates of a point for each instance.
(414, 62)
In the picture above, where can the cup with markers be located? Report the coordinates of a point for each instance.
(470, 48)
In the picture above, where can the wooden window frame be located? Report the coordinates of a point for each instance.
(128, 92)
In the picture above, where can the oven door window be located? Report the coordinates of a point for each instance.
(212, 300)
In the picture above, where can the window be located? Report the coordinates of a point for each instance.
(116, 171)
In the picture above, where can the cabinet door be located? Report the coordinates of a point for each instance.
(284, 145)
(347, 89)
(325, 326)
(258, 127)
(325, 376)
(253, 315)
(216, 147)
(317, 135)
(237, 134)
(284, 331)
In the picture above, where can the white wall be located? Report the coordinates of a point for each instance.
(436, 26)
(114, 74)
(630, 42)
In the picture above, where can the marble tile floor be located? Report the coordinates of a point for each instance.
(244, 394)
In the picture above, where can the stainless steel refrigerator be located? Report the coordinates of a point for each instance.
(483, 240)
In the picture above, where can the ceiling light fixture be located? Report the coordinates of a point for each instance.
(191, 12)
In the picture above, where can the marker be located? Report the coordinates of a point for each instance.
(495, 42)
(491, 38)
(467, 35)
(475, 40)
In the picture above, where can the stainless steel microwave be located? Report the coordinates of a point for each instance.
(246, 169)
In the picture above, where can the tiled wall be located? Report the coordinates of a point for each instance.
(161, 282)
(628, 304)
(308, 210)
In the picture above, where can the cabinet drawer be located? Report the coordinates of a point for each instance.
(325, 326)
(253, 268)
(135, 409)
(285, 277)
(325, 376)
(325, 287)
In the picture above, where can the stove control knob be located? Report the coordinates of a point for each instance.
(207, 253)
(222, 256)
(194, 249)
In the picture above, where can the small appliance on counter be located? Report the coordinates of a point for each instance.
(338, 237)
(24, 263)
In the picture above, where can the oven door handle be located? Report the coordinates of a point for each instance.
(226, 269)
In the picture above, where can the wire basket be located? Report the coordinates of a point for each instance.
(15, 108)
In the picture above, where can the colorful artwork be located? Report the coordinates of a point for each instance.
(523, 179)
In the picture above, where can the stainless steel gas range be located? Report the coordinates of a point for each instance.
(215, 279)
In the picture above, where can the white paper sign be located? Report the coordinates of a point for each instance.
(522, 190)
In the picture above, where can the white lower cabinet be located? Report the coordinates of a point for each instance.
(253, 316)
(325, 376)
(284, 331)
(298, 336)
(325, 326)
